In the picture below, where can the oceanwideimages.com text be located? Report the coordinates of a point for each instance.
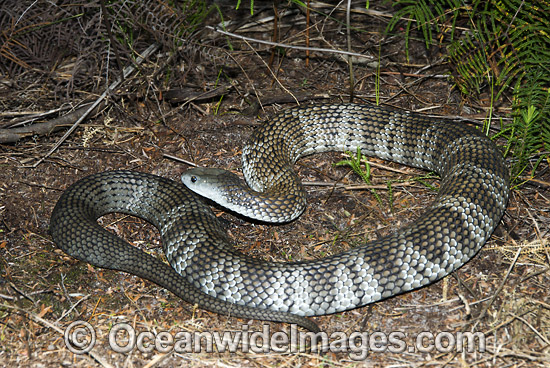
(80, 337)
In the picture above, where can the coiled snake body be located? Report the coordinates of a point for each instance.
(211, 273)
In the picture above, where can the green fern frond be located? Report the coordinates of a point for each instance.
(426, 14)
(506, 49)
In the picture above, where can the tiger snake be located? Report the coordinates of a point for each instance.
(208, 271)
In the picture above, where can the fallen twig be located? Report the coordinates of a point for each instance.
(127, 71)
(93, 352)
(12, 135)
(283, 45)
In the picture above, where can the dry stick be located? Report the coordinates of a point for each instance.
(127, 71)
(175, 158)
(256, 94)
(12, 135)
(275, 34)
(307, 33)
(375, 13)
(27, 116)
(532, 328)
(497, 292)
(273, 74)
(108, 27)
(93, 353)
(277, 44)
(350, 60)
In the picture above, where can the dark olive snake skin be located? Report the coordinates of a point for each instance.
(178, 214)
(209, 272)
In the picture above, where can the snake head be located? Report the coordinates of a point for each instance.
(229, 191)
(211, 183)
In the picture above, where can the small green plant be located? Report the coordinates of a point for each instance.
(523, 137)
(361, 167)
(218, 78)
(251, 6)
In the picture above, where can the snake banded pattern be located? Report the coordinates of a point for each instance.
(211, 273)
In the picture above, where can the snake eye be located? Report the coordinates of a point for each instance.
(194, 179)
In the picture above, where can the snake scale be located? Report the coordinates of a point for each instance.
(207, 270)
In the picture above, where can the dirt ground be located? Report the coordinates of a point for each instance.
(501, 293)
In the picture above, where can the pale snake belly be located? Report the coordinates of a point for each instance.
(208, 270)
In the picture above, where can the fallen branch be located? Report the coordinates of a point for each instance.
(287, 46)
(12, 135)
(127, 71)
